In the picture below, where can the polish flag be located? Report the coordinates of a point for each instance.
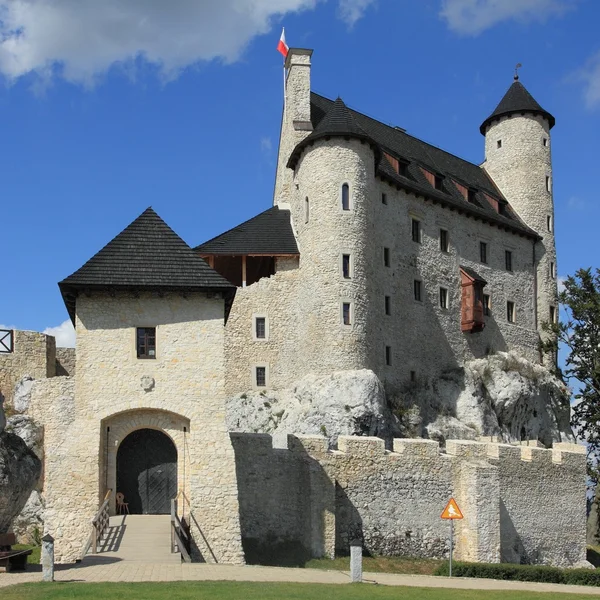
(282, 46)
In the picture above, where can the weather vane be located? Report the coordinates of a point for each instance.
(519, 65)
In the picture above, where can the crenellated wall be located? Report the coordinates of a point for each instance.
(521, 504)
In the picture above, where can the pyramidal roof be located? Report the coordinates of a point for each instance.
(338, 122)
(147, 254)
(517, 100)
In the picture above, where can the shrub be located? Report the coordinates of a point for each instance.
(512, 572)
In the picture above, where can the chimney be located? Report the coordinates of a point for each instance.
(297, 88)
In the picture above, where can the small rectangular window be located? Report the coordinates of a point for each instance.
(346, 266)
(388, 305)
(402, 169)
(483, 252)
(345, 197)
(548, 184)
(486, 305)
(306, 209)
(545, 141)
(386, 257)
(146, 342)
(471, 196)
(549, 223)
(510, 312)
(346, 316)
(443, 298)
(552, 314)
(413, 375)
(417, 290)
(553, 270)
(388, 355)
(439, 182)
(261, 376)
(260, 327)
(383, 198)
(444, 245)
(499, 143)
(416, 230)
(508, 260)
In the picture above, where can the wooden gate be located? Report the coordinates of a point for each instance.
(147, 472)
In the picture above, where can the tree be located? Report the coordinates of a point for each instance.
(579, 333)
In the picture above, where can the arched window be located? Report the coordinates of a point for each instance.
(345, 197)
(306, 209)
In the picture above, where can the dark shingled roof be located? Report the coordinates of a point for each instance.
(269, 233)
(337, 122)
(149, 255)
(517, 100)
(417, 153)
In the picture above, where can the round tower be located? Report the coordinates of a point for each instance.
(518, 158)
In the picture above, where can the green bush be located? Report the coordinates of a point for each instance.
(522, 573)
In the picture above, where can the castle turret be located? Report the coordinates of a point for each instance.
(518, 158)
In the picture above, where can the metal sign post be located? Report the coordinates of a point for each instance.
(451, 512)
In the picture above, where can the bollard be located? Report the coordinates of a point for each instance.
(47, 558)
(356, 561)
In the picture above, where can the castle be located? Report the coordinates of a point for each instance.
(380, 252)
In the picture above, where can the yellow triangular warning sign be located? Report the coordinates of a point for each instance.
(452, 511)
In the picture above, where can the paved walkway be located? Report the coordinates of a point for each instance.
(100, 568)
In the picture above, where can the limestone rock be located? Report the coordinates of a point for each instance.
(501, 395)
(2, 415)
(22, 396)
(343, 403)
(20, 470)
(28, 431)
(28, 525)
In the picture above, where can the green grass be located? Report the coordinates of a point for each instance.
(379, 564)
(34, 557)
(221, 590)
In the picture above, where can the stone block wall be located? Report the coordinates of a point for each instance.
(34, 355)
(65, 362)
(393, 499)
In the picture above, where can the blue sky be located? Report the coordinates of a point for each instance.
(109, 107)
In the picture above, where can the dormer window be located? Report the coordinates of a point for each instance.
(438, 182)
(403, 169)
(471, 196)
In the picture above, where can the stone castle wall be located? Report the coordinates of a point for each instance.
(521, 504)
(34, 355)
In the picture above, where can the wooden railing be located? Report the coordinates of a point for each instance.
(99, 525)
(180, 529)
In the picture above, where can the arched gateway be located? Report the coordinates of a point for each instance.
(147, 471)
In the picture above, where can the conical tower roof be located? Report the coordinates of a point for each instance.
(146, 255)
(517, 100)
(338, 122)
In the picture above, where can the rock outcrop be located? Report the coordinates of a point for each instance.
(20, 470)
(343, 403)
(502, 395)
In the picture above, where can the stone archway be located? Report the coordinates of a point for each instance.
(147, 471)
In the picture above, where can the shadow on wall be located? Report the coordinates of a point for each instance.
(283, 495)
(511, 548)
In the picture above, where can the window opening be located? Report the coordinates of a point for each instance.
(383, 198)
(146, 342)
(388, 305)
(552, 270)
(444, 245)
(552, 314)
(486, 305)
(386, 257)
(413, 375)
(260, 325)
(417, 290)
(545, 141)
(346, 313)
(388, 355)
(471, 196)
(345, 197)
(443, 298)
(261, 376)
(438, 182)
(306, 210)
(508, 260)
(499, 143)
(548, 185)
(346, 266)
(549, 222)
(416, 230)
(510, 312)
(483, 252)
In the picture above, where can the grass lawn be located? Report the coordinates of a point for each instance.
(379, 564)
(222, 590)
(34, 557)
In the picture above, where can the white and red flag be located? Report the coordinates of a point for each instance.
(282, 46)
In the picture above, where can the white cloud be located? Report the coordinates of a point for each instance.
(575, 203)
(80, 40)
(64, 334)
(351, 11)
(560, 282)
(471, 17)
(590, 75)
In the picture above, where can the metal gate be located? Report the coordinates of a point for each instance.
(147, 472)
